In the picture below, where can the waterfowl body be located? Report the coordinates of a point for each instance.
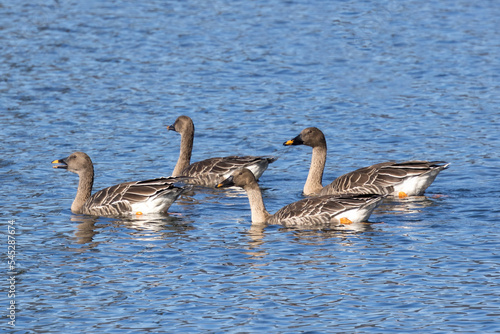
(409, 178)
(314, 211)
(210, 171)
(140, 197)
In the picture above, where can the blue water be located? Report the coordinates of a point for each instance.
(384, 80)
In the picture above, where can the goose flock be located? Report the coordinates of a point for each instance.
(351, 198)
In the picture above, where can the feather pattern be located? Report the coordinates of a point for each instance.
(214, 170)
(410, 177)
(210, 171)
(149, 196)
(314, 211)
(327, 209)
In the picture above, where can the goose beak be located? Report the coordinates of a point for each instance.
(295, 141)
(171, 127)
(226, 183)
(62, 163)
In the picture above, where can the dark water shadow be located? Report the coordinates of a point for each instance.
(152, 226)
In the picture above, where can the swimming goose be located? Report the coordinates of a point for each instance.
(409, 178)
(210, 171)
(140, 197)
(313, 211)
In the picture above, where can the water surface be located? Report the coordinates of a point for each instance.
(384, 80)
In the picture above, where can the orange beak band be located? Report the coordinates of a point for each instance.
(61, 162)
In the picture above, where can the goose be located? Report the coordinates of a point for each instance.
(140, 197)
(213, 170)
(403, 179)
(312, 211)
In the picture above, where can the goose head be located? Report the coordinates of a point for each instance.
(183, 124)
(77, 162)
(309, 136)
(241, 177)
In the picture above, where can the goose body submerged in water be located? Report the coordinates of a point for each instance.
(308, 212)
(210, 171)
(409, 178)
(140, 197)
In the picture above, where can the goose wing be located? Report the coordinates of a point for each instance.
(157, 194)
(382, 178)
(327, 209)
(212, 171)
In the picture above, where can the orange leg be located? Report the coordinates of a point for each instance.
(345, 221)
(402, 194)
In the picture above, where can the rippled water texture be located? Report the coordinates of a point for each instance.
(384, 80)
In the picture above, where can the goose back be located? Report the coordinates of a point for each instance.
(326, 210)
(214, 170)
(409, 177)
(144, 197)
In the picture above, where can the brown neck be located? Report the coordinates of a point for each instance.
(185, 153)
(84, 190)
(259, 212)
(314, 178)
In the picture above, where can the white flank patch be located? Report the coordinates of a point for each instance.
(416, 185)
(153, 205)
(356, 215)
(256, 170)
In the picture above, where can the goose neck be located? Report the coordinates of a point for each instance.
(259, 212)
(84, 190)
(315, 177)
(184, 160)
